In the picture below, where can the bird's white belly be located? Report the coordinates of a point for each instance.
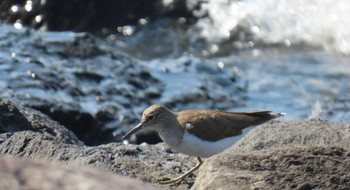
(194, 146)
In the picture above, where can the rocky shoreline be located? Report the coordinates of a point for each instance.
(293, 154)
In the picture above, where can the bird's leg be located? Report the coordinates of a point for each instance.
(182, 177)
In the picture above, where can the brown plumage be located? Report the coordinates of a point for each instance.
(220, 124)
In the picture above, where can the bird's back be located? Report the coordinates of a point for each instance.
(213, 125)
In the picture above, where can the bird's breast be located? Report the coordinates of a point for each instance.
(194, 146)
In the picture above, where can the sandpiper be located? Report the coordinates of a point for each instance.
(200, 133)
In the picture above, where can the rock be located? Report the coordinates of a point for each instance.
(88, 85)
(39, 138)
(13, 120)
(93, 16)
(286, 168)
(293, 154)
(18, 174)
(280, 134)
(145, 162)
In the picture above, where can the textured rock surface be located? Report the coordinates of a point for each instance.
(13, 120)
(30, 134)
(294, 154)
(19, 174)
(293, 133)
(287, 168)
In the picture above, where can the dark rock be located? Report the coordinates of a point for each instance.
(11, 119)
(91, 15)
(24, 119)
(45, 140)
(83, 124)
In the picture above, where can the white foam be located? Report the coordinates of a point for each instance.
(314, 22)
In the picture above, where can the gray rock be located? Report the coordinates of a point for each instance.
(149, 163)
(32, 135)
(19, 174)
(286, 168)
(294, 154)
(279, 134)
(13, 119)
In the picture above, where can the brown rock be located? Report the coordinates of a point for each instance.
(19, 174)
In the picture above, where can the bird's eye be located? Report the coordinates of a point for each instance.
(150, 117)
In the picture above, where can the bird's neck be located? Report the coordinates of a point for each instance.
(171, 132)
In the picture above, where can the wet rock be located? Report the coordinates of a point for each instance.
(193, 83)
(45, 140)
(11, 119)
(92, 88)
(88, 89)
(70, 44)
(294, 154)
(24, 119)
(18, 174)
(84, 125)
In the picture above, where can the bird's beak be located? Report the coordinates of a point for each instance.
(132, 131)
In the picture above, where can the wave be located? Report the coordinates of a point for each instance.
(249, 23)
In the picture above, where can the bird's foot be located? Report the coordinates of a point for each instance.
(178, 180)
(175, 181)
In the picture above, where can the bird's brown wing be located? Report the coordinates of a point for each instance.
(213, 125)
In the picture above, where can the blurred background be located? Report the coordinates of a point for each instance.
(101, 62)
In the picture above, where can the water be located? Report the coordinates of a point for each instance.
(292, 54)
(292, 83)
(319, 23)
(285, 56)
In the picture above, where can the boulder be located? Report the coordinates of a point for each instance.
(29, 134)
(295, 154)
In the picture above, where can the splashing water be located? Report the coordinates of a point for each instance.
(319, 23)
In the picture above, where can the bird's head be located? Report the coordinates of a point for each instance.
(154, 117)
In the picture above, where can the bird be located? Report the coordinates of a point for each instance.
(198, 132)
